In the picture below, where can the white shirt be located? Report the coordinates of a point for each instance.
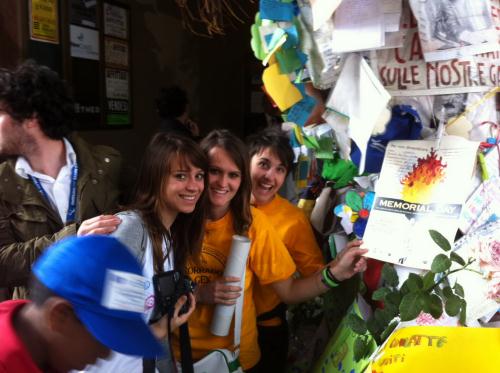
(117, 362)
(58, 189)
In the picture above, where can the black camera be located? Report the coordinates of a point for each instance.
(169, 287)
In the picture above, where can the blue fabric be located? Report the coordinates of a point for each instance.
(405, 124)
(76, 269)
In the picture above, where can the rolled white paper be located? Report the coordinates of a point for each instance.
(235, 265)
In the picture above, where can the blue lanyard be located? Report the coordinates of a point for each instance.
(70, 216)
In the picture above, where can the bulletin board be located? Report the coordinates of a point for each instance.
(88, 43)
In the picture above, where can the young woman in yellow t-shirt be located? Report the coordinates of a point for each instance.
(271, 159)
(269, 263)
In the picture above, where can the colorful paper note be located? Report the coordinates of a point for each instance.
(301, 110)
(279, 87)
(276, 10)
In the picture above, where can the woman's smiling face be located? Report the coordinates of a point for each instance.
(268, 175)
(224, 180)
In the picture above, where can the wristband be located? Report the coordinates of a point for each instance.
(326, 279)
(331, 276)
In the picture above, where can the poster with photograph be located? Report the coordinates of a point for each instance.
(404, 71)
(454, 28)
(84, 13)
(84, 42)
(421, 187)
(115, 52)
(115, 21)
(44, 21)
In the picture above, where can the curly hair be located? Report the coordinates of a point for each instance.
(34, 90)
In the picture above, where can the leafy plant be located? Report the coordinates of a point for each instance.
(429, 293)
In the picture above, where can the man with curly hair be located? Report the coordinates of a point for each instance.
(53, 183)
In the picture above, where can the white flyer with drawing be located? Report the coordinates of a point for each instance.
(421, 187)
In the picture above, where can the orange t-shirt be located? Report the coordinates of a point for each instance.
(268, 262)
(295, 231)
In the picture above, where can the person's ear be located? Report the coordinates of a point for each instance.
(60, 315)
(32, 123)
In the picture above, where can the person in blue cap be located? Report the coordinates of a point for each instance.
(87, 298)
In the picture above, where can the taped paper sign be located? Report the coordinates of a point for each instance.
(418, 190)
(439, 349)
(404, 72)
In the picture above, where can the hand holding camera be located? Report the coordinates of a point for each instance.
(160, 329)
(170, 287)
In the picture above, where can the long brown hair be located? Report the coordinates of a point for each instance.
(186, 232)
(240, 204)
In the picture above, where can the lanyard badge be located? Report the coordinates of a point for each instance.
(71, 214)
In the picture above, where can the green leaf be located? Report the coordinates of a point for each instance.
(459, 290)
(410, 306)
(414, 282)
(392, 310)
(354, 200)
(447, 292)
(382, 316)
(463, 313)
(393, 298)
(434, 305)
(453, 305)
(389, 275)
(457, 258)
(404, 289)
(360, 348)
(429, 280)
(361, 287)
(374, 327)
(385, 334)
(356, 323)
(440, 263)
(440, 240)
(380, 294)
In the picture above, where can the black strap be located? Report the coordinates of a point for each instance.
(278, 311)
(185, 342)
(148, 365)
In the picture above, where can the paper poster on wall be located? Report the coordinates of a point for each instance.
(117, 97)
(117, 84)
(454, 28)
(421, 187)
(84, 43)
(115, 52)
(404, 72)
(83, 13)
(44, 21)
(115, 21)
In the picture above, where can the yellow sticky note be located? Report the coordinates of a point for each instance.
(279, 87)
(439, 349)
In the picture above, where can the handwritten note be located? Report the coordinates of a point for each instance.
(359, 25)
(301, 110)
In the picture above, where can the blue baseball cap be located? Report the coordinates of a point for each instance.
(103, 282)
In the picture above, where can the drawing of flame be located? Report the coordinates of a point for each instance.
(420, 182)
